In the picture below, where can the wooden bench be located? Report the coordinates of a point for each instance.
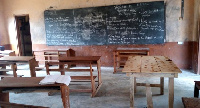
(14, 84)
(14, 105)
(44, 56)
(3, 70)
(51, 55)
(90, 78)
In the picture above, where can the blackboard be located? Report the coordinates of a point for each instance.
(136, 23)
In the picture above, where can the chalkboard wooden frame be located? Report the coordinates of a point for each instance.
(136, 23)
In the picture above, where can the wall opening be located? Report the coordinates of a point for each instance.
(23, 35)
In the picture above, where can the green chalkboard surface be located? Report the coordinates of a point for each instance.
(136, 23)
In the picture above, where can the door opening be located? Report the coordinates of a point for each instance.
(24, 35)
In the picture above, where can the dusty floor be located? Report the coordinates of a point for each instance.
(114, 93)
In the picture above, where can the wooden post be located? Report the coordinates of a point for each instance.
(161, 85)
(149, 96)
(171, 92)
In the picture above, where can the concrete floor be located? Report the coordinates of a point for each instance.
(114, 93)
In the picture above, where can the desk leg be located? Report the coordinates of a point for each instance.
(32, 64)
(65, 96)
(171, 92)
(99, 71)
(92, 82)
(135, 85)
(114, 60)
(161, 85)
(132, 83)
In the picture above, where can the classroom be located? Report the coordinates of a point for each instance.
(105, 53)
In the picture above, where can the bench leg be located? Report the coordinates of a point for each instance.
(196, 91)
(149, 96)
(132, 88)
(92, 82)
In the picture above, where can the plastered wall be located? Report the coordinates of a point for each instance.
(3, 30)
(176, 30)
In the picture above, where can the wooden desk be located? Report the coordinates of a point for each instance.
(31, 82)
(83, 60)
(52, 55)
(120, 55)
(151, 66)
(22, 59)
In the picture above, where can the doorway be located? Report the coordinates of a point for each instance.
(24, 35)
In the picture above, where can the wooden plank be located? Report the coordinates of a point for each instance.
(81, 90)
(149, 65)
(82, 77)
(149, 96)
(10, 75)
(151, 85)
(152, 74)
(132, 82)
(71, 70)
(1, 70)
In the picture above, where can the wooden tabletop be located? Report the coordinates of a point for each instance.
(6, 51)
(80, 58)
(23, 82)
(16, 58)
(150, 64)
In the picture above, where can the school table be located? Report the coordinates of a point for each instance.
(22, 59)
(83, 60)
(120, 56)
(151, 66)
(31, 83)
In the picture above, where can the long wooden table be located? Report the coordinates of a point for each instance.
(22, 59)
(80, 60)
(31, 82)
(151, 66)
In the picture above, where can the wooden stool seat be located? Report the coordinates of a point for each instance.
(191, 102)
